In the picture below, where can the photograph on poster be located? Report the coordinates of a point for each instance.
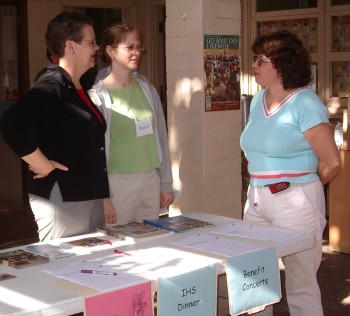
(221, 72)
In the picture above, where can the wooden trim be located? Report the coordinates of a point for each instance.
(336, 8)
(284, 13)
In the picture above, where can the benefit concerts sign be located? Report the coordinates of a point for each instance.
(222, 72)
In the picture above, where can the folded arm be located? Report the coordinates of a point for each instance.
(321, 139)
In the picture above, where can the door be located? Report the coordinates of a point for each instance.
(13, 60)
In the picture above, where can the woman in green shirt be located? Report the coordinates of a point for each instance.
(137, 148)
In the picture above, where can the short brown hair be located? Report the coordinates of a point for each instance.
(65, 26)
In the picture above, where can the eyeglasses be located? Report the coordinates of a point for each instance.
(260, 61)
(132, 48)
(91, 42)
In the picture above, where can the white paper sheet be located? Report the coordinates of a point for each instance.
(216, 244)
(256, 232)
(132, 268)
(72, 273)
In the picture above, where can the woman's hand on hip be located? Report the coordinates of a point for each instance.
(42, 174)
(41, 165)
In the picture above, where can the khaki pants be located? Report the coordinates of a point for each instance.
(135, 197)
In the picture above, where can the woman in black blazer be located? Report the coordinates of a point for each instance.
(59, 133)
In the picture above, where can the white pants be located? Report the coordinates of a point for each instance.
(56, 219)
(300, 207)
(135, 196)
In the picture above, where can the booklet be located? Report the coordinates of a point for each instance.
(6, 276)
(21, 258)
(134, 230)
(178, 223)
(49, 251)
(89, 242)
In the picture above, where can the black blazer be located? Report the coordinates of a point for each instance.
(54, 118)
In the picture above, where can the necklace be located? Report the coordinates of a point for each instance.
(127, 103)
(122, 85)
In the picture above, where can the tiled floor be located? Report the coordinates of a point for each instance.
(334, 281)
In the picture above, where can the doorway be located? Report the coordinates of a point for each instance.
(13, 60)
(17, 223)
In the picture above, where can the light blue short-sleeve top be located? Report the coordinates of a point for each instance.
(274, 143)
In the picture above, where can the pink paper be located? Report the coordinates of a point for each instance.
(134, 300)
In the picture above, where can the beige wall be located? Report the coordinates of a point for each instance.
(204, 146)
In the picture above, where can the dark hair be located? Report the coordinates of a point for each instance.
(65, 26)
(113, 35)
(288, 55)
(48, 55)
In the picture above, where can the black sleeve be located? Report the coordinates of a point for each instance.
(19, 122)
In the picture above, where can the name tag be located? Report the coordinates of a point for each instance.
(144, 128)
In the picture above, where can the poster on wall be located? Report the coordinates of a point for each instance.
(221, 72)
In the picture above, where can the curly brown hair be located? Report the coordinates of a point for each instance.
(288, 56)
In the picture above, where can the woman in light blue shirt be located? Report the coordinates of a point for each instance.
(291, 154)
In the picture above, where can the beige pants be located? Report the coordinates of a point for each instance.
(300, 207)
(57, 219)
(135, 197)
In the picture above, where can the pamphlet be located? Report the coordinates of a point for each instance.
(178, 223)
(21, 258)
(135, 231)
(49, 251)
(90, 242)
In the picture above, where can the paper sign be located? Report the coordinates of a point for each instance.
(189, 294)
(131, 301)
(253, 280)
